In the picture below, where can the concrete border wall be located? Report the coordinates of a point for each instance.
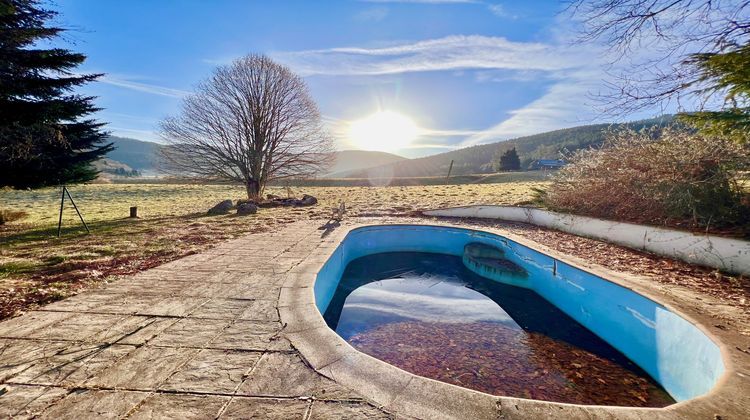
(726, 254)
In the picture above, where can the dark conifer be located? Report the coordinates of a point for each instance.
(47, 135)
(509, 161)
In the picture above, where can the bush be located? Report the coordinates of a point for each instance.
(10, 216)
(669, 177)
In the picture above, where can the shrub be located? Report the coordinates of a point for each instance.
(10, 216)
(669, 177)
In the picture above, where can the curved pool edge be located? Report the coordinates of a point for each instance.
(404, 393)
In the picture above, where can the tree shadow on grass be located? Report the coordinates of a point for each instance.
(46, 233)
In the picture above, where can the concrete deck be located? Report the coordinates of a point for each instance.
(202, 337)
(196, 338)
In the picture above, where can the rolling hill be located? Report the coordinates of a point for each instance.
(354, 160)
(137, 154)
(143, 157)
(480, 159)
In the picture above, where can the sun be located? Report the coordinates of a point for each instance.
(384, 131)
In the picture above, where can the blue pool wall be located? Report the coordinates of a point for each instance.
(676, 353)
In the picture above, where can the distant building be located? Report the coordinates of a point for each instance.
(547, 164)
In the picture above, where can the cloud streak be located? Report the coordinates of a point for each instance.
(494, 8)
(457, 52)
(143, 87)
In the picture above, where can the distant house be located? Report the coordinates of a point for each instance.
(547, 164)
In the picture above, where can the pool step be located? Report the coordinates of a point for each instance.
(490, 262)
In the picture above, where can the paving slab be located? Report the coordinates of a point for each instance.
(286, 375)
(344, 410)
(93, 404)
(251, 335)
(190, 332)
(25, 402)
(179, 406)
(144, 369)
(73, 365)
(18, 356)
(174, 306)
(213, 371)
(228, 309)
(152, 327)
(30, 323)
(262, 310)
(77, 327)
(257, 408)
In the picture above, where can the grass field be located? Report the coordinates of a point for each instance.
(36, 267)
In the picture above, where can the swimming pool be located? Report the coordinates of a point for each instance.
(675, 353)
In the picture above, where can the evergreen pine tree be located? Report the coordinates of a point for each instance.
(46, 136)
(727, 72)
(509, 161)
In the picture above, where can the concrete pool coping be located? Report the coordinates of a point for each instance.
(401, 392)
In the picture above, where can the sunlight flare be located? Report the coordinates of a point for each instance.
(384, 131)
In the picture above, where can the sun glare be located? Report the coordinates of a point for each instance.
(384, 131)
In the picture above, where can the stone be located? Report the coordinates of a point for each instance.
(221, 208)
(245, 209)
(308, 200)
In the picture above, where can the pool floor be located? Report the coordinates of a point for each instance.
(429, 315)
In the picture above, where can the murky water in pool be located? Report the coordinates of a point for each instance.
(429, 315)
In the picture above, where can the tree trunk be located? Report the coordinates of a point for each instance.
(253, 189)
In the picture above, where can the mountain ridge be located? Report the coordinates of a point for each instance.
(142, 155)
(481, 159)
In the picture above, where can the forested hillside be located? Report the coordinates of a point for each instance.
(137, 154)
(483, 158)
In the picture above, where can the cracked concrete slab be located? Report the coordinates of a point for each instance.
(179, 406)
(85, 404)
(251, 335)
(343, 410)
(286, 375)
(256, 408)
(213, 371)
(25, 402)
(146, 368)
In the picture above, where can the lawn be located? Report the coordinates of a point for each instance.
(36, 267)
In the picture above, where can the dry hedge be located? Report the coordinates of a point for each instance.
(659, 176)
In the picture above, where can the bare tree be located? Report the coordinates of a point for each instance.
(252, 121)
(673, 31)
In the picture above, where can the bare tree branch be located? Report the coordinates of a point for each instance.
(673, 31)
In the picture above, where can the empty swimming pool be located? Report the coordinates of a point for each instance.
(505, 319)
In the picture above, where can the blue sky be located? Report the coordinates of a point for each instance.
(466, 72)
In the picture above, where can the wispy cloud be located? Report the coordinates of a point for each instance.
(143, 87)
(572, 71)
(565, 104)
(374, 14)
(449, 53)
(494, 8)
(500, 11)
(423, 1)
